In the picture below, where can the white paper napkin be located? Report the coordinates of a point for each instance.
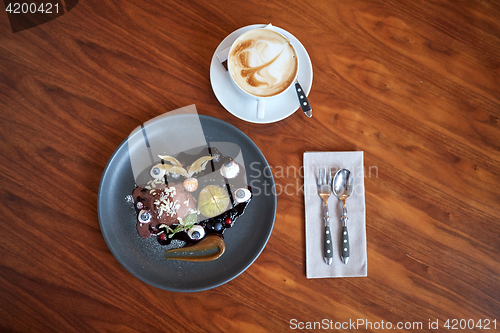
(356, 223)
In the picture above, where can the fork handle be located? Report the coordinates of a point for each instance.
(328, 249)
(327, 239)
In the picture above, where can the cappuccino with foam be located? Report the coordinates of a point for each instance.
(263, 63)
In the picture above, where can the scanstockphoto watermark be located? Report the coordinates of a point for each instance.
(358, 324)
(369, 325)
(289, 180)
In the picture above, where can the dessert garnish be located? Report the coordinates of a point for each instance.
(230, 169)
(210, 248)
(213, 201)
(194, 211)
(190, 184)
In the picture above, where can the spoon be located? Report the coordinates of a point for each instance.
(304, 102)
(342, 188)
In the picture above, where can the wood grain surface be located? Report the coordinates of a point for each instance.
(413, 84)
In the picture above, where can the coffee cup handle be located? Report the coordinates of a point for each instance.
(261, 108)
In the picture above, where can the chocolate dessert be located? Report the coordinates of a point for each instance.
(191, 197)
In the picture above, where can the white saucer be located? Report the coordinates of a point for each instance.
(245, 108)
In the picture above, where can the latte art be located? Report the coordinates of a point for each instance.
(263, 62)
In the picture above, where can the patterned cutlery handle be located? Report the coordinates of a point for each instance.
(327, 239)
(304, 102)
(344, 242)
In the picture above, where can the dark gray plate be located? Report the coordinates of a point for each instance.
(144, 257)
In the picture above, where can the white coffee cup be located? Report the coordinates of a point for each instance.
(262, 64)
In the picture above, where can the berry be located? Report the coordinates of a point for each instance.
(218, 226)
(228, 221)
(163, 239)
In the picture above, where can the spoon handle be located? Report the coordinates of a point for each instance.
(304, 102)
(344, 245)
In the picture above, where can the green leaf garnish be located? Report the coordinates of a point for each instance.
(190, 220)
(184, 224)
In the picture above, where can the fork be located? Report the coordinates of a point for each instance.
(324, 191)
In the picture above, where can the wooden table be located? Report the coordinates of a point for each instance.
(413, 84)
